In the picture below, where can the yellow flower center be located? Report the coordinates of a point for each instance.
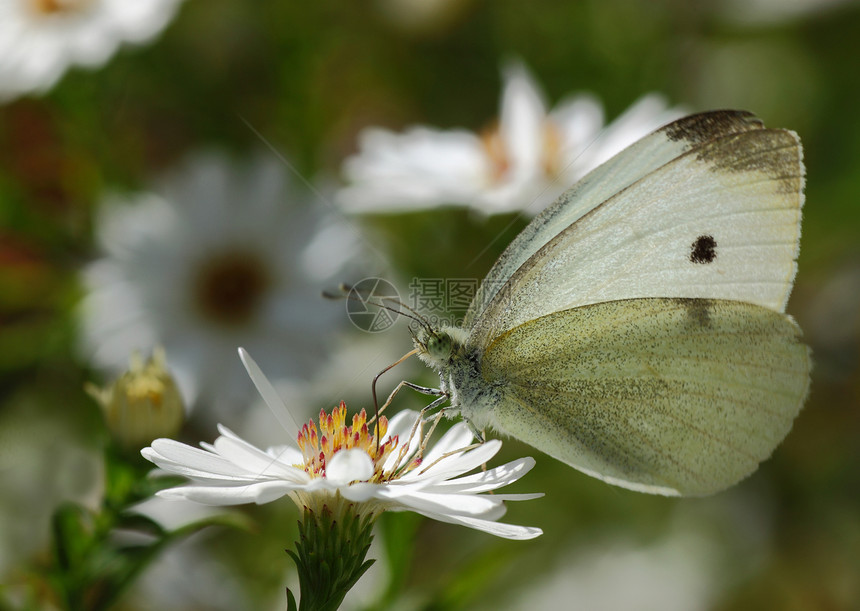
(499, 156)
(552, 142)
(55, 7)
(319, 446)
(496, 152)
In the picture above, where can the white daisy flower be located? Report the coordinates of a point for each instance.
(386, 469)
(522, 164)
(225, 256)
(40, 39)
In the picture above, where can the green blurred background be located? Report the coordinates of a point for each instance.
(309, 76)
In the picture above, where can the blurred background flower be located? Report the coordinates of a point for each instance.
(227, 256)
(41, 39)
(311, 78)
(522, 163)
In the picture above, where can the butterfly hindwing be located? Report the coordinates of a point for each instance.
(668, 396)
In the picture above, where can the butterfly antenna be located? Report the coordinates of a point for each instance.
(411, 313)
(346, 291)
(417, 316)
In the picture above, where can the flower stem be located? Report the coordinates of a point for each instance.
(330, 556)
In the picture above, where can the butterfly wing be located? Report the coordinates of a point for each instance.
(667, 396)
(706, 207)
(639, 159)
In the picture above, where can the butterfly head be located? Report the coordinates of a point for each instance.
(437, 346)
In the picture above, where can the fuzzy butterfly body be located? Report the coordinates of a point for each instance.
(635, 329)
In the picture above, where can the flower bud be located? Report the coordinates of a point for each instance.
(143, 404)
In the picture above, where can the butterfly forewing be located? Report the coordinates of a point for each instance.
(638, 160)
(721, 221)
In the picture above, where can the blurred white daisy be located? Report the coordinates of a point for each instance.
(678, 572)
(40, 39)
(224, 256)
(523, 163)
(384, 469)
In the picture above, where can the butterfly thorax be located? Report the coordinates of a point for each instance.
(447, 351)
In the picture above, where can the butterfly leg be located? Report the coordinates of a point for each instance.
(439, 414)
(417, 427)
(424, 390)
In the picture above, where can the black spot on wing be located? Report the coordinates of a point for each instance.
(703, 249)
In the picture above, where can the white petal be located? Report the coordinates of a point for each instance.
(456, 464)
(360, 492)
(253, 459)
(270, 395)
(286, 454)
(348, 466)
(417, 500)
(259, 492)
(644, 116)
(203, 477)
(401, 426)
(521, 121)
(174, 456)
(520, 497)
(506, 531)
(579, 120)
(486, 480)
(419, 168)
(457, 437)
(500, 529)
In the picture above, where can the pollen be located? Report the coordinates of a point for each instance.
(318, 446)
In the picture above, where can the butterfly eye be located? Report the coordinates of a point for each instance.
(439, 345)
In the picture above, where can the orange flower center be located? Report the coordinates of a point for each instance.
(319, 446)
(54, 7)
(496, 152)
(500, 159)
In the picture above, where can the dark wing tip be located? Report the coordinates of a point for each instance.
(706, 126)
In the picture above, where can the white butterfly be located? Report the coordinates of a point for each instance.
(635, 330)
